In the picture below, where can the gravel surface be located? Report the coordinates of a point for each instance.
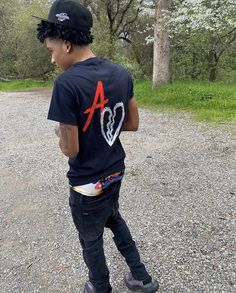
(178, 198)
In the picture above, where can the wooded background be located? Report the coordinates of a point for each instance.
(162, 40)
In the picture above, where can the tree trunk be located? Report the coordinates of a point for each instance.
(194, 73)
(212, 64)
(161, 63)
(212, 59)
(212, 75)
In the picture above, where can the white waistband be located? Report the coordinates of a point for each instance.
(90, 189)
(94, 189)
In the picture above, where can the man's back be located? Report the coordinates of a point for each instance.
(95, 94)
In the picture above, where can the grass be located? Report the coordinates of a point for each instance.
(214, 102)
(23, 84)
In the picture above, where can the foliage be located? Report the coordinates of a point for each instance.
(116, 37)
(22, 53)
(207, 101)
(192, 16)
(7, 7)
(119, 16)
(209, 28)
(114, 23)
(201, 42)
(189, 57)
(203, 37)
(140, 49)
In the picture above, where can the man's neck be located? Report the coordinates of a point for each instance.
(82, 54)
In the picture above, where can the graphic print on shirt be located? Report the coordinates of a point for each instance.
(107, 125)
(99, 93)
(111, 120)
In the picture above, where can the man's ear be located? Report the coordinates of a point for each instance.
(68, 46)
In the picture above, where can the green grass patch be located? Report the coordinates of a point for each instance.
(214, 102)
(15, 85)
(208, 101)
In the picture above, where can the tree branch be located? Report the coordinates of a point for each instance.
(123, 13)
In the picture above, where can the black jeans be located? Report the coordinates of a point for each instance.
(90, 216)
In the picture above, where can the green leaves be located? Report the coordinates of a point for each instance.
(21, 53)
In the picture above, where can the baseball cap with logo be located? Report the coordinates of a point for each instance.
(71, 14)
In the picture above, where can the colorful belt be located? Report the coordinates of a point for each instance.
(94, 189)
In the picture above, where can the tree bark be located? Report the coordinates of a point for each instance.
(161, 63)
(212, 61)
(194, 73)
(212, 76)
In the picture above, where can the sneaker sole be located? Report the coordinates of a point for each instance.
(144, 290)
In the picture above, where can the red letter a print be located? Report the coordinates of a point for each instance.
(96, 105)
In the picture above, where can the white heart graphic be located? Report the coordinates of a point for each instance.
(108, 135)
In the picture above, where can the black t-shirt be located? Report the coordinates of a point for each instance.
(94, 95)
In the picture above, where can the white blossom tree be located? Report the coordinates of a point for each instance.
(214, 20)
(211, 22)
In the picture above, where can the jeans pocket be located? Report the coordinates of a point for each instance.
(92, 223)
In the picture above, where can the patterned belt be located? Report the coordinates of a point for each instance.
(94, 189)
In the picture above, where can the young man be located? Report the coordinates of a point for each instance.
(93, 102)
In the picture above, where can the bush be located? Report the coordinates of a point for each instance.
(23, 55)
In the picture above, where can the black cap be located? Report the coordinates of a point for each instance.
(71, 14)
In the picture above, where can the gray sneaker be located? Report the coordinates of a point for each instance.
(88, 288)
(135, 285)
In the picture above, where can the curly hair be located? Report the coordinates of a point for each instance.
(57, 31)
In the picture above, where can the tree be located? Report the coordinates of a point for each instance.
(22, 54)
(214, 21)
(161, 62)
(114, 20)
(7, 8)
(141, 47)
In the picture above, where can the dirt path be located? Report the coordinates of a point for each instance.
(178, 197)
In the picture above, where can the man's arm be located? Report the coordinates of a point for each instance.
(131, 122)
(69, 139)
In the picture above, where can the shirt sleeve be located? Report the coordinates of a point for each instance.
(63, 107)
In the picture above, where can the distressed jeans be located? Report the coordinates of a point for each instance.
(91, 215)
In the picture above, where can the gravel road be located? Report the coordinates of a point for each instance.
(178, 198)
